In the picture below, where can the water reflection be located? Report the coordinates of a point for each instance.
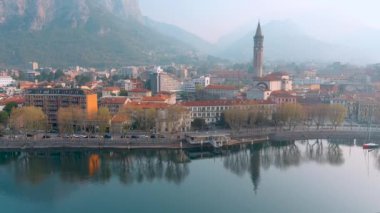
(282, 156)
(60, 172)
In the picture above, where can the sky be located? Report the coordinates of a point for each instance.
(211, 19)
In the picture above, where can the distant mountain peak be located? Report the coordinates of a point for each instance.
(37, 14)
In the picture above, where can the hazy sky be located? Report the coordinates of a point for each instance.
(211, 19)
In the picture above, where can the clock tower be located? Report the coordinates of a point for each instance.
(258, 52)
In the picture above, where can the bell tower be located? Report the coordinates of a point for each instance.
(258, 52)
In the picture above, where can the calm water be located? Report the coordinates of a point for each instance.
(298, 177)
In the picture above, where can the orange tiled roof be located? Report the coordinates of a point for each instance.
(16, 99)
(113, 100)
(139, 90)
(282, 94)
(154, 99)
(141, 105)
(120, 118)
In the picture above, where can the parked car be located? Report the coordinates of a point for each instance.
(46, 136)
(135, 136)
(107, 136)
(157, 136)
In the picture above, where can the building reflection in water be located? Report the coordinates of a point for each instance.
(281, 156)
(79, 167)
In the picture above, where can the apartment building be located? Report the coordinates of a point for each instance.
(50, 100)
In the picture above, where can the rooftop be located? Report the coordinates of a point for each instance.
(282, 93)
(225, 103)
(57, 91)
(113, 100)
(111, 89)
(139, 90)
(140, 105)
(220, 87)
(15, 99)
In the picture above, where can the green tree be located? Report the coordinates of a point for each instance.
(4, 116)
(9, 106)
(123, 93)
(198, 124)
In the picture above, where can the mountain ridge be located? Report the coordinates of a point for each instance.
(83, 32)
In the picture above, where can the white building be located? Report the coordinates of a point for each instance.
(163, 82)
(6, 81)
(202, 82)
(263, 87)
(212, 110)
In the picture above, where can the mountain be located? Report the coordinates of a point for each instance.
(180, 35)
(82, 32)
(365, 40)
(286, 42)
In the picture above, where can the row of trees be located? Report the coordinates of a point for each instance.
(28, 120)
(169, 119)
(73, 119)
(288, 115)
(70, 120)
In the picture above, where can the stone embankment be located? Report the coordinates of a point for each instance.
(330, 134)
(241, 138)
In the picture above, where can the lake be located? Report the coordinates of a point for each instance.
(302, 176)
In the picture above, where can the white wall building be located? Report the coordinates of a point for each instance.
(190, 86)
(6, 81)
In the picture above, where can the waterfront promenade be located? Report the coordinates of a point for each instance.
(241, 137)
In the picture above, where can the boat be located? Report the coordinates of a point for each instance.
(370, 146)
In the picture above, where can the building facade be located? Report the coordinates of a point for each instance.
(114, 104)
(222, 91)
(51, 100)
(211, 111)
(163, 82)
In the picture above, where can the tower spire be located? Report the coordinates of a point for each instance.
(258, 52)
(258, 30)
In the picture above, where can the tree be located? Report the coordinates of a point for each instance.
(9, 106)
(4, 116)
(290, 114)
(319, 114)
(236, 118)
(252, 118)
(198, 124)
(103, 120)
(70, 119)
(308, 116)
(175, 117)
(123, 93)
(28, 119)
(337, 113)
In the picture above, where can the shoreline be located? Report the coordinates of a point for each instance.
(78, 144)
